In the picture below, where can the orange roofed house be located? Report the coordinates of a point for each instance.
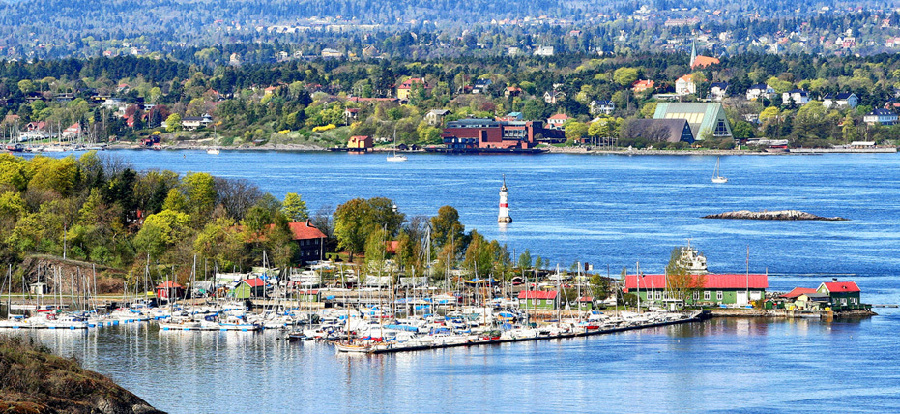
(310, 241)
(642, 85)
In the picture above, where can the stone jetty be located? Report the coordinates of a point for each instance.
(780, 215)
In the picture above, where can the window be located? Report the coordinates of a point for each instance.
(696, 295)
(853, 301)
(658, 295)
(706, 295)
(534, 302)
(718, 295)
(844, 301)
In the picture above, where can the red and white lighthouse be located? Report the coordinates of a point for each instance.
(504, 204)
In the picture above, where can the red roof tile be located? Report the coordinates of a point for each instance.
(169, 285)
(304, 230)
(797, 291)
(586, 299)
(836, 287)
(255, 282)
(537, 294)
(730, 281)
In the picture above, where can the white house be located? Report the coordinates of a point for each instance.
(796, 96)
(544, 51)
(840, 100)
(685, 85)
(557, 121)
(194, 122)
(760, 90)
(602, 107)
(880, 116)
(436, 116)
(718, 91)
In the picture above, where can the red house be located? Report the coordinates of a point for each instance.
(169, 289)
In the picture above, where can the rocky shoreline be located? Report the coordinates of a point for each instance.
(780, 215)
(32, 380)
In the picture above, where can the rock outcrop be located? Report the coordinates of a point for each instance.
(32, 380)
(780, 215)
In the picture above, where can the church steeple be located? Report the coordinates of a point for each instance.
(693, 53)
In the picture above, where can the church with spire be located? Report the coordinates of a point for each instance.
(700, 61)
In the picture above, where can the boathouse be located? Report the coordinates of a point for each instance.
(249, 288)
(538, 299)
(310, 295)
(843, 295)
(711, 289)
(169, 289)
(586, 303)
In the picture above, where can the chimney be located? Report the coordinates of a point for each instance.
(834, 279)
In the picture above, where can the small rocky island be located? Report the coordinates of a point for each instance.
(780, 215)
(34, 381)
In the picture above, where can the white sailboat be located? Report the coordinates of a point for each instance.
(716, 178)
(215, 148)
(396, 158)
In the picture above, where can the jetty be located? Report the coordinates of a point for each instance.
(778, 215)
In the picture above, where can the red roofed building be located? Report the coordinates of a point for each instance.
(642, 85)
(169, 289)
(844, 295)
(537, 299)
(557, 121)
(796, 292)
(405, 88)
(726, 289)
(703, 61)
(310, 240)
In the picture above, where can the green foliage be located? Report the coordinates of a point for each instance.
(173, 123)
(294, 208)
(161, 231)
(356, 219)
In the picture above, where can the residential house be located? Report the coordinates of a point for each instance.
(760, 91)
(705, 119)
(249, 288)
(360, 142)
(481, 85)
(602, 107)
(685, 85)
(840, 100)
(796, 96)
(406, 87)
(553, 97)
(718, 91)
(513, 92)
(585, 303)
(73, 130)
(544, 51)
(194, 122)
(369, 51)
(880, 116)
(351, 114)
(331, 53)
(557, 121)
(721, 289)
(310, 241)
(811, 301)
(435, 117)
(842, 294)
(538, 299)
(642, 85)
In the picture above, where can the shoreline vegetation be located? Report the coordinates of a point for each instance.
(550, 150)
(33, 380)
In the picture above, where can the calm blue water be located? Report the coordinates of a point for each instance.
(607, 210)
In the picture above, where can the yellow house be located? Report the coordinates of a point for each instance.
(405, 88)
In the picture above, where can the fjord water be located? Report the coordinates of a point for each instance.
(611, 211)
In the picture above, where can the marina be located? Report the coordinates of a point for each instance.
(609, 210)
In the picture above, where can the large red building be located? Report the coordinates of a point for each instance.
(481, 133)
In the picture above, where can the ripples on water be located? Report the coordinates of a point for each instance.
(607, 210)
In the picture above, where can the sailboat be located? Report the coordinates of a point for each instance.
(396, 157)
(716, 178)
(215, 148)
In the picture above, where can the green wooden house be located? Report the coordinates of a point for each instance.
(586, 303)
(538, 299)
(310, 295)
(844, 295)
(249, 288)
(716, 289)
